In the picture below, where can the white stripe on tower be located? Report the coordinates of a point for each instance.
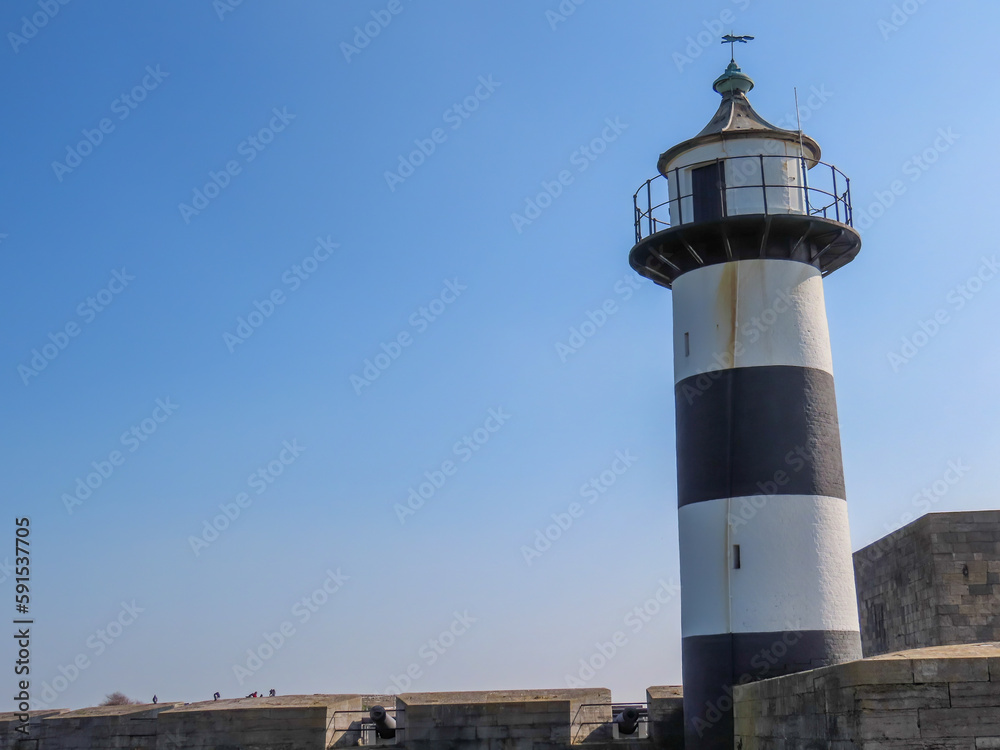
(750, 313)
(795, 565)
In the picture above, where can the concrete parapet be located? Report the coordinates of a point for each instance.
(13, 739)
(528, 719)
(287, 722)
(666, 716)
(939, 698)
(494, 720)
(132, 727)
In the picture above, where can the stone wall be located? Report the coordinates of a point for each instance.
(530, 719)
(131, 727)
(943, 698)
(495, 720)
(10, 737)
(934, 582)
(287, 721)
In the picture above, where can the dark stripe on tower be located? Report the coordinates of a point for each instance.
(713, 663)
(757, 430)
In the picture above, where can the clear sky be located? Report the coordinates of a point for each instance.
(259, 261)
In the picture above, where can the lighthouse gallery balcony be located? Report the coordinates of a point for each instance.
(737, 207)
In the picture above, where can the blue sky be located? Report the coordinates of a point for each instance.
(475, 107)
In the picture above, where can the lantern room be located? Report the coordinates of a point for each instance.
(737, 190)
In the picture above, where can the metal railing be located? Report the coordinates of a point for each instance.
(829, 196)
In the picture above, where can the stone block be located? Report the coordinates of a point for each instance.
(959, 722)
(665, 705)
(882, 670)
(972, 694)
(937, 744)
(950, 670)
(902, 697)
(888, 725)
(488, 733)
(836, 700)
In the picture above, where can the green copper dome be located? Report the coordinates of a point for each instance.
(733, 80)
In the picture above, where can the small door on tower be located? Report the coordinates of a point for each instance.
(708, 184)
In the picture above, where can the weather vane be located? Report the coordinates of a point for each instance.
(731, 40)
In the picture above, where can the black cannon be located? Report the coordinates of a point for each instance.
(628, 720)
(385, 725)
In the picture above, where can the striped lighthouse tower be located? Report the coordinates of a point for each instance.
(742, 224)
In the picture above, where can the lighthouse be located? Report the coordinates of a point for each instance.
(742, 224)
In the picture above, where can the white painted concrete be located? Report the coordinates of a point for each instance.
(704, 548)
(750, 313)
(744, 186)
(796, 571)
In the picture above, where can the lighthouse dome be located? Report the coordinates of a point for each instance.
(739, 164)
(736, 119)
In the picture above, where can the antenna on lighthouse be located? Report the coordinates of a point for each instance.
(802, 151)
(798, 121)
